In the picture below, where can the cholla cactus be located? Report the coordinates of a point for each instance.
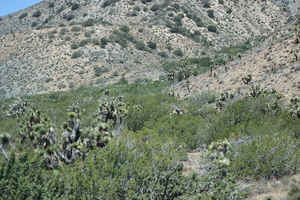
(224, 99)
(217, 151)
(296, 34)
(183, 72)
(18, 108)
(294, 107)
(178, 111)
(247, 79)
(37, 128)
(255, 92)
(111, 109)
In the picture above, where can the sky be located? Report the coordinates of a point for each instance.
(10, 6)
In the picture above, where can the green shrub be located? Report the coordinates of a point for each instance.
(178, 52)
(23, 15)
(206, 4)
(68, 38)
(125, 29)
(51, 5)
(212, 28)
(74, 6)
(89, 22)
(294, 192)
(39, 27)
(178, 18)
(155, 7)
(210, 13)
(108, 3)
(97, 70)
(96, 41)
(69, 17)
(87, 34)
(137, 8)
(48, 80)
(229, 11)
(221, 2)
(63, 31)
(104, 40)
(84, 42)
(74, 46)
(152, 45)
(37, 13)
(60, 9)
(34, 24)
(163, 54)
(141, 46)
(76, 29)
(76, 54)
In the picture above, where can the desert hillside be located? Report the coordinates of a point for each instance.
(59, 45)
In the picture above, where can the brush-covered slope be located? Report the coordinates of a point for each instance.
(61, 45)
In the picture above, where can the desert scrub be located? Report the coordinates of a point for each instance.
(89, 22)
(178, 52)
(212, 28)
(96, 41)
(76, 29)
(74, 46)
(23, 15)
(76, 54)
(37, 14)
(84, 42)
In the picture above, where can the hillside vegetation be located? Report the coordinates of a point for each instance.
(48, 46)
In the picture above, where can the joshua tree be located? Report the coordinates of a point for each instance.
(211, 67)
(224, 99)
(187, 85)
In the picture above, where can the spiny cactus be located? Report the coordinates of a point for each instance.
(178, 111)
(18, 108)
(257, 91)
(112, 110)
(37, 128)
(224, 99)
(296, 34)
(295, 54)
(183, 72)
(247, 79)
(294, 107)
(217, 151)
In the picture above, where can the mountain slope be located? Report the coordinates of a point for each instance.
(36, 43)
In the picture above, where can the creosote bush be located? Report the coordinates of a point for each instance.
(212, 28)
(76, 54)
